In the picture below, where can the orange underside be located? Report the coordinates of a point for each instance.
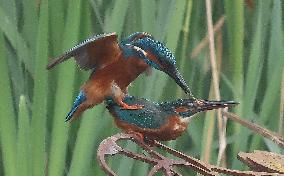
(170, 131)
(122, 72)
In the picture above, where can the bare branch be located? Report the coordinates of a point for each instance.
(204, 42)
(276, 138)
(109, 147)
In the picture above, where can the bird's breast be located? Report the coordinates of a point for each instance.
(122, 72)
(170, 130)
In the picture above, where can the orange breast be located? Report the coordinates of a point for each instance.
(169, 131)
(122, 72)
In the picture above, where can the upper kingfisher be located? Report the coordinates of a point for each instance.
(115, 65)
(160, 121)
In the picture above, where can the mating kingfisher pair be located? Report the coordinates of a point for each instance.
(114, 66)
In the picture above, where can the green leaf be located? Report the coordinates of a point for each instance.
(117, 17)
(275, 68)
(17, 41)
(7, 117)
(64, 93)
(23, 143)
(39, 108)
(30, 20)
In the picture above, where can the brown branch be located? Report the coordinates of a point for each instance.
(215, 78)
(109, 147)
(204, 42)
(276, 138)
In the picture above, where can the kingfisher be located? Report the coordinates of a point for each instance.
(160, 121)
(115, 65)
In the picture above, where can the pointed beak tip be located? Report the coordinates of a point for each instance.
(233, 103)
(67, 119)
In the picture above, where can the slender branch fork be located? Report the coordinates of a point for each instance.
(109, 147)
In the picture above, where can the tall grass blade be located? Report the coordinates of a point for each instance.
(208, 133)
(33, 136)
(17, 41)
(92, 122)
(23, 140)
(254, 69)
(56, 25)
(10, 10)
(39, 108)
(30, 20)
(275, 66)
(235, 22)
(7, 116)
(64, 93)
(116, 19)
(148, 12)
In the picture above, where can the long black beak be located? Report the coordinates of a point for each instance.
(175, 74)
(186, 108)
(189, 107)
(205, 105)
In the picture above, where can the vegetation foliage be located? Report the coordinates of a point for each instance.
(36, 141)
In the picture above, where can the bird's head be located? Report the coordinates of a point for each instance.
(143, 46)
(158, 56)
(135, 36)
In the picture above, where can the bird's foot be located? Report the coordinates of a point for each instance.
(132, 107)
(137, 136)
(149, 142)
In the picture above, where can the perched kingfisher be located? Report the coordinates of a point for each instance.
(115, 65)
(160, 121)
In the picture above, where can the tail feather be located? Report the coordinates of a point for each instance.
(57, 61)
(79, 100)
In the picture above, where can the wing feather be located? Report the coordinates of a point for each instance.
(95, 52)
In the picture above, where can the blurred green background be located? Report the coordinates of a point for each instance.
(34, 102)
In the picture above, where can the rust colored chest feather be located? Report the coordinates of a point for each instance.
(122, 72)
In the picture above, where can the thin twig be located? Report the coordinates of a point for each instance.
(203, 43)
(281, 115)
(222, 138)
(276, 138)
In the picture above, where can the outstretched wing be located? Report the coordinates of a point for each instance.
(95, 52)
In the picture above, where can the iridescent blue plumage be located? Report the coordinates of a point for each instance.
(135, 36)
(162, 53)
(79, 100)
(120, 63)
(145, 117)
(161, 121)
(163, 60)
(154, 115)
